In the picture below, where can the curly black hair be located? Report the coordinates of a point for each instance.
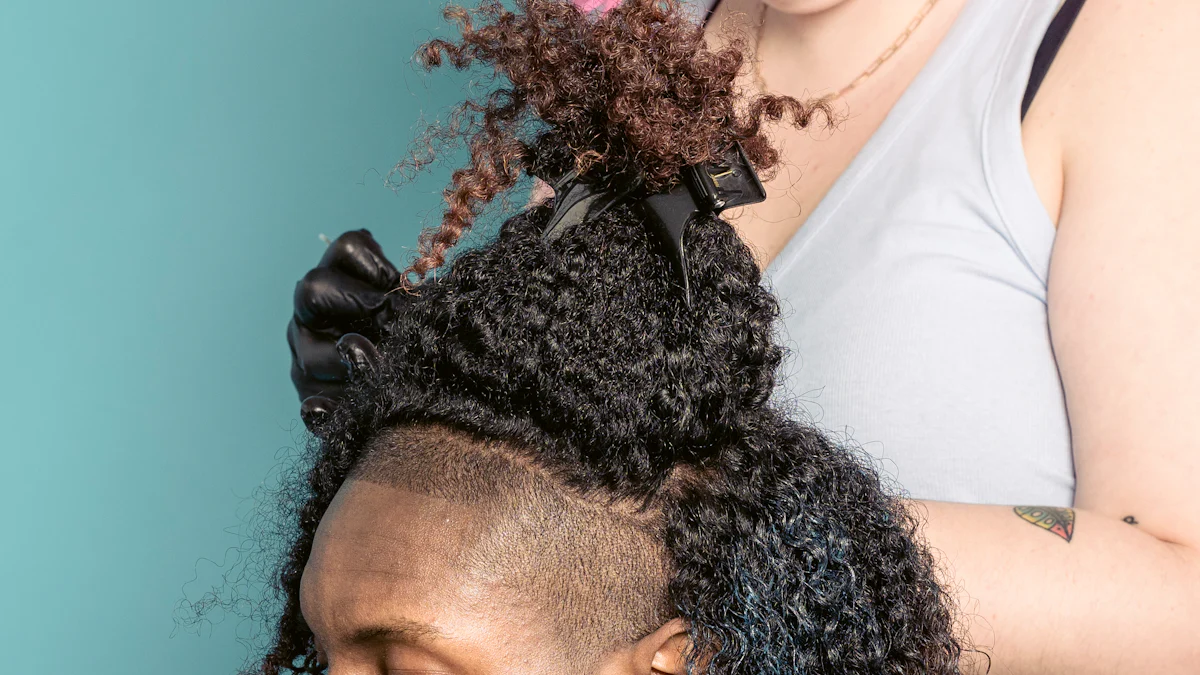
(786, 555)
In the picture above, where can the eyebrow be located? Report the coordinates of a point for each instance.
(405, 632)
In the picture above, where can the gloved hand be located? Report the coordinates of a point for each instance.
(340, 309)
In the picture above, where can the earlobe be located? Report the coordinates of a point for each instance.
(670, 644)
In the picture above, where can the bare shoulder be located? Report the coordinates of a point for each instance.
(1118, 109)
(1125, 83)
(1124, 103)
(1126, 64)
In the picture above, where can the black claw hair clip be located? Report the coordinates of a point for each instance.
(576, 201)
(707, 188)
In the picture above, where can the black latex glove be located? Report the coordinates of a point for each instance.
(340, 308)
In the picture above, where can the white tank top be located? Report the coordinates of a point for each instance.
(914, 296)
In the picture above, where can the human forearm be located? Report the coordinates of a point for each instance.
(1113, 599)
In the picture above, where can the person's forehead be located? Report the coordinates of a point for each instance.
(382, 552)
(390, 563)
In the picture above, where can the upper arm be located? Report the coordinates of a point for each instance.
(1124, 295)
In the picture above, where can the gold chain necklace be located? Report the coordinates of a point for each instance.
(761, 82)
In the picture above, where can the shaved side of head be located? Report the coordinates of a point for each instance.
(594, 570)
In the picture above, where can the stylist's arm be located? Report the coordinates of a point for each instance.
(1114, 586)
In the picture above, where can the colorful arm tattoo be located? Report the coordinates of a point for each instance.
(1058, 520)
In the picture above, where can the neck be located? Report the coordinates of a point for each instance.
(823, 50)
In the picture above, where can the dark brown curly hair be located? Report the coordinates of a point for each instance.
(632, 91)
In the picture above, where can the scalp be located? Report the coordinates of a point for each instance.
(593, 569)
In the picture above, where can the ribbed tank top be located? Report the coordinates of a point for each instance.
(914, 295)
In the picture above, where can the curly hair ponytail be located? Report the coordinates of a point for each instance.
(633, 90)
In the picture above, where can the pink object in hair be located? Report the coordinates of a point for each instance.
(602, 5)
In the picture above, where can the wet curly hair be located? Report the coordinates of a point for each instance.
(786, 555)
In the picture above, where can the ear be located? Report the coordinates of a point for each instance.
(664, 651)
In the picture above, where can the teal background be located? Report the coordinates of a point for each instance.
(165, 169)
